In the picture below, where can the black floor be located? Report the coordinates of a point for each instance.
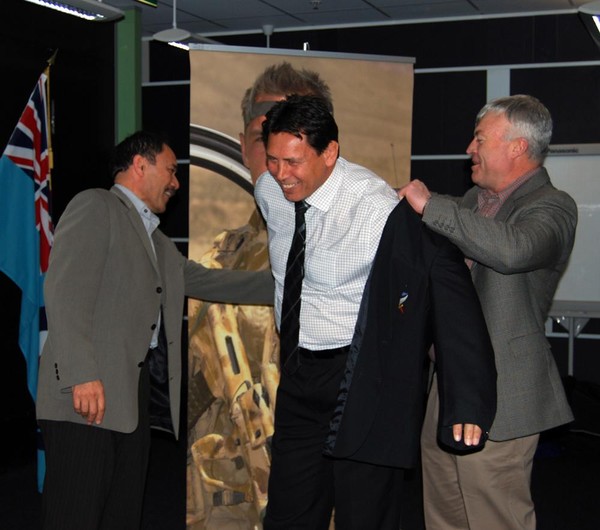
(566, 484)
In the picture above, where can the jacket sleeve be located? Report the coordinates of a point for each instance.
(464, 355)
(228, 286)
(535, 236)
(72, 283)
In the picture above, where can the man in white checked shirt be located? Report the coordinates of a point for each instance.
(348, 208)
(350, 401)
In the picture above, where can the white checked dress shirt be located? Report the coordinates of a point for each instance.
(343, 228)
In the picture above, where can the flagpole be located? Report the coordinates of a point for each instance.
(41, 454)
(49, 119)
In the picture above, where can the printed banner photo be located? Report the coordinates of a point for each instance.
(234, 350)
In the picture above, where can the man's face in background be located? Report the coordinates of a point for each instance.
(253, 149)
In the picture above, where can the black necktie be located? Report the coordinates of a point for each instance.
(292, 288)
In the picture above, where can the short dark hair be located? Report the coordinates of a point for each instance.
(307, 116)
(144, 143)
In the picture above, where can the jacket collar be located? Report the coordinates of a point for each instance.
(138, 225)
(537, 180)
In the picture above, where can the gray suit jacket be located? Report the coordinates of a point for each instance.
(103, 291)
(519, 257)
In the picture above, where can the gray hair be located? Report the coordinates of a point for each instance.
(529, 119)
(283, 80)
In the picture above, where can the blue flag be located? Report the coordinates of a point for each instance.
(26, 231)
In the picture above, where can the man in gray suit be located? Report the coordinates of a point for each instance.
(516, 231)
(111, 365)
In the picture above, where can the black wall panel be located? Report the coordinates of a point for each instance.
(167, 63)
(166, 109)
(444, 108)
(572, 94)
(450, 177)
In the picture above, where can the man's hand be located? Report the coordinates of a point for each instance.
(416, 194)
(88, 401)
(469, 432)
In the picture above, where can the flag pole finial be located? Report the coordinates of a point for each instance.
(52, 58)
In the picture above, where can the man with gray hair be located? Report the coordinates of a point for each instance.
(516, 232)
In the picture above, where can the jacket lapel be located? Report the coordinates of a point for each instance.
(537, 180)
(138, 225)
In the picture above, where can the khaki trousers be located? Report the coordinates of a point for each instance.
(486, 490)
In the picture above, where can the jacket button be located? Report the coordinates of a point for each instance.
(140, 364)
(153, 327)
(159, 290)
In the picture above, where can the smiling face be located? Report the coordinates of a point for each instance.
(492, 152)
(296, 166)
(157, 182)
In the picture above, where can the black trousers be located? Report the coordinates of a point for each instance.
(95, 478)
(305, 486)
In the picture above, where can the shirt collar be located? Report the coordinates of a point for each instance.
(149, 218)
(322, 198)
(485, 196)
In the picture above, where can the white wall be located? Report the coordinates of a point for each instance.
(579, 175)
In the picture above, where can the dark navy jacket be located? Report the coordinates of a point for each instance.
(419, 292)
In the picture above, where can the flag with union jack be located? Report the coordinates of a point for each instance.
(26, 231)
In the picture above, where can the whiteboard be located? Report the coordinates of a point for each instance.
(579, 176)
